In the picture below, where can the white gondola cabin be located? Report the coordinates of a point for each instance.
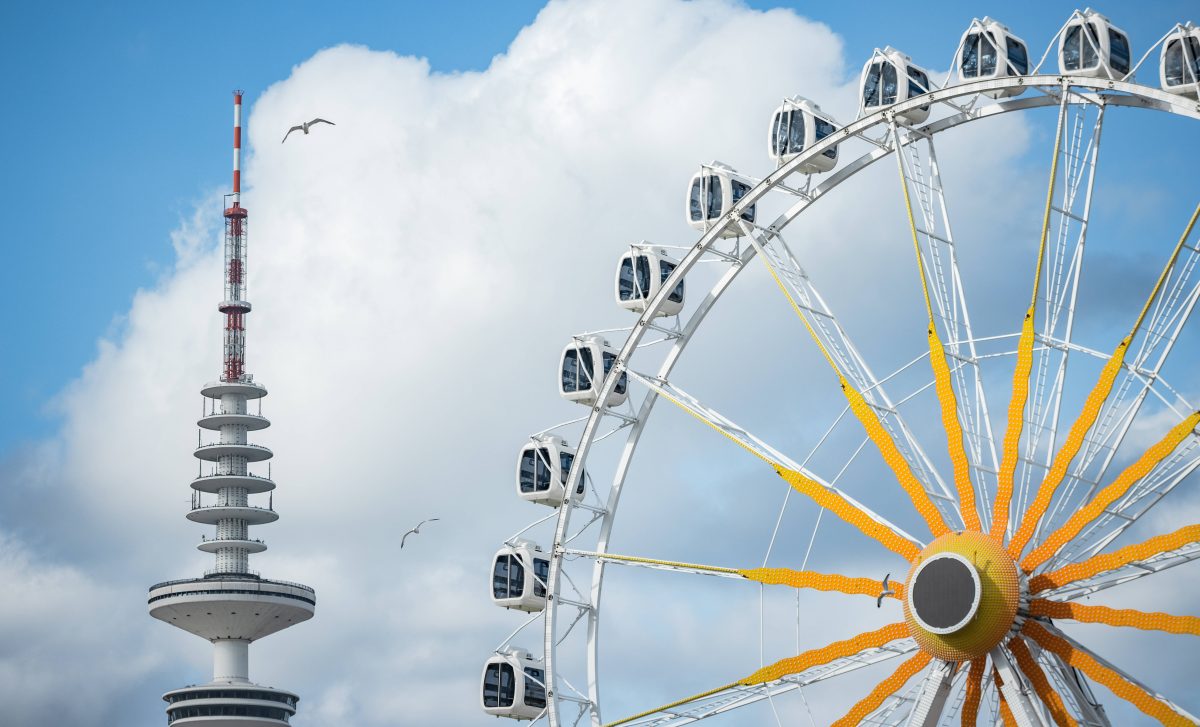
(641, 273)
(713, 191)
(585, 362)
(514, 685)
(990, 50)
(519, 576)
(1179, 63)
(1090, 45)
(797, 125)
(889, 78)
(543, 468)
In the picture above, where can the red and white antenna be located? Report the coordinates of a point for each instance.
(235, 306)
(237, 148)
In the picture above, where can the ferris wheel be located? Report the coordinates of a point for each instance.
(1024, 471)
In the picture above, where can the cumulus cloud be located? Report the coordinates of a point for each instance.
(415, 271)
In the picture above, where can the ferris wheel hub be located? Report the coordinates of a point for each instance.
(962, 595)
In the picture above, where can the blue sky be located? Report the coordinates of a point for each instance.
(124, 128)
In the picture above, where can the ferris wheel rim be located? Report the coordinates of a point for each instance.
(1083, 89)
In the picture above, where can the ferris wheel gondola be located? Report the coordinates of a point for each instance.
(1090, 45)
(988, 49)
(712, 193)
(514, 685)
(543, 468)
(890, 78)
(585, 363)
(519, 575)
(796, 126)
(982, 597)
(1179, 63)
(641, 273)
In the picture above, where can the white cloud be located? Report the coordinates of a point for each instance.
(415, 270)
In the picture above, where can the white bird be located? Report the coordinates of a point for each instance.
(416, 530)
(887, 591)
(304, 127)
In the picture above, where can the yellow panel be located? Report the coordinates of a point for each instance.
(823, 496)
(1000, 593)
(1035, 675)
(1109, 561)
(671, 705)
(876, 432)
(826, 654)
(821, 581)
(793, 665)
(1020, 389)
(1126, 690)
(835, 503)
(884, 689)
(954, 434)
(970, 708)
(1110, 494)
(1149, 621)
(1091, 408)
(891, 454)
(1006, 715)
(1062, 460)
(1016, 423)
(941, 375)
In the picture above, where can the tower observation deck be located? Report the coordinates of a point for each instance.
(231, 605)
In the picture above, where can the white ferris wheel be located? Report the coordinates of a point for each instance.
(1021, 467)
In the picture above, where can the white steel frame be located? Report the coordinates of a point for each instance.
(1082, 101)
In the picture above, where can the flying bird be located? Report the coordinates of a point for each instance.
(887, 591)
(305, 126)
(416, 530)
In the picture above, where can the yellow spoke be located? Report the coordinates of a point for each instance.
(1110, 494)
(941, 375)
(891, 454)
(838, 505)
(1111, 561)
(792, 665)
(832, 582)
(1006, 715)
(870, 420)
(1020, 389)
(1149, 621)
(826, 654)
(826, 497)
(884, 689)
(822, 582)
(1016, 422)
(674, 704)
(1091, 409)
(970, 709)
(1118, 684)
(1033, 672)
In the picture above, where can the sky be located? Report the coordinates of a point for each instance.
(415, 272)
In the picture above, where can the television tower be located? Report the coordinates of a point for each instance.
(231, 605)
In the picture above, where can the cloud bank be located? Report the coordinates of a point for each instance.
(415, 271)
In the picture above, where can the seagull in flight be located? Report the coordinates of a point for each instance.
(416, 530)
(887, 591)
(305, 126)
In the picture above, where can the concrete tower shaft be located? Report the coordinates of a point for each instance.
(231, 605)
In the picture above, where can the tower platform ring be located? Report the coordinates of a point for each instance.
(250, 546)
(217, 389)
(214, 452)
(213, 513)
(253, 484)
(252, 422)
